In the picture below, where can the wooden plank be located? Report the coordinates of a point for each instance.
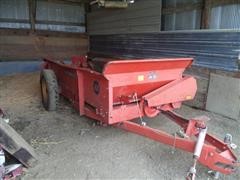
(70, 2)
(6, 31)
(145, 21)
(129, 29)
(103, 17)
(17, 47)
(145, 13)
(142, 16)
(61, 34)
(14, 52)
(215, 3)
(46, 41)
(14, 144)
(11, 20)
(59, 23)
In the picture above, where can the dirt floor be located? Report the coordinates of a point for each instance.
(74, 147)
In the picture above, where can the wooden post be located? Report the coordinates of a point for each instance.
(206, 14)
(32, 13)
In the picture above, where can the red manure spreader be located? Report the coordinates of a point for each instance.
(115, 92)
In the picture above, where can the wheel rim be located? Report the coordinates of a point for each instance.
(44, 92)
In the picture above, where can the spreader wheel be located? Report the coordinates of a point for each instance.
(49, 90)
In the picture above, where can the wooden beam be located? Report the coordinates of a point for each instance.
(14, 144)
(192, 5)
(45, 33)
(12, 20)
(32, 13)
(69, 2)
(59, 23)
(215, 3)
(206, 14)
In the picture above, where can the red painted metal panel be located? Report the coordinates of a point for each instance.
(181, 89)
(135, 88)
(123, 66)
(120, 82)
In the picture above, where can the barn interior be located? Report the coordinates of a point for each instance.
(70, 146)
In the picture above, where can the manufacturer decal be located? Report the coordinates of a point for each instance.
(152, 76)
(96, 87)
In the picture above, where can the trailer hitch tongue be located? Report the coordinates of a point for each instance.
(214, 153)
(219, 157)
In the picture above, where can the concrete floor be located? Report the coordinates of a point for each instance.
(73, 147)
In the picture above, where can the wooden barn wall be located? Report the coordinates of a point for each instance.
(142, 16)
(31, 30)
(24, 45)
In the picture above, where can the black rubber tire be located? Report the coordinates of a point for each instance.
(49, 89)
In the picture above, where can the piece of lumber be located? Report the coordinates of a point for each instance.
(15, 145)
